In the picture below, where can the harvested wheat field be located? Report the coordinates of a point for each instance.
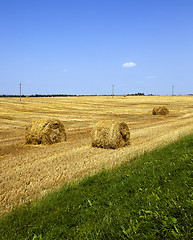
(30, 171)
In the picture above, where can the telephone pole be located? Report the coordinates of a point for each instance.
(172, 90)
(20, 91)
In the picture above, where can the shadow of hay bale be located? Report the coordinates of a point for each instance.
(160, 110)
(110, 134)
(45, 131)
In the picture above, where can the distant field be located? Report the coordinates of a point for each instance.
(28, 171)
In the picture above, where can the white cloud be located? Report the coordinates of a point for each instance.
(150, 77)
(129, 64)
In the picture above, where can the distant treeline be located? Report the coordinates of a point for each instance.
(136, 94)
(71, 95)
(67, 95)
(40, 95)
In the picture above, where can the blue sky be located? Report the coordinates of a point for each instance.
(86, 46)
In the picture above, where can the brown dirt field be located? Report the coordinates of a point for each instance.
(28, 172)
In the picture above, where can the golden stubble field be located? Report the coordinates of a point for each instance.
(28, 172)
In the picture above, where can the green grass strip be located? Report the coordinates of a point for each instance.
(150, 197)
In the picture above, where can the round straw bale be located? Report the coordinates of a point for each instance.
(45, 131)
(110, 134)
(160, 110)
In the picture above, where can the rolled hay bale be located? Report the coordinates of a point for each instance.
(110, 134)
(160, 110)
(45, 131)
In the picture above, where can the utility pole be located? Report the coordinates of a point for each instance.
(112, 91)
(20, 91)
(172, 90)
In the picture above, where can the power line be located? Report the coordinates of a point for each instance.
(172, 90)
(112, 91)
(20, 90)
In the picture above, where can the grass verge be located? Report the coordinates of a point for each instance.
(150, 197)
